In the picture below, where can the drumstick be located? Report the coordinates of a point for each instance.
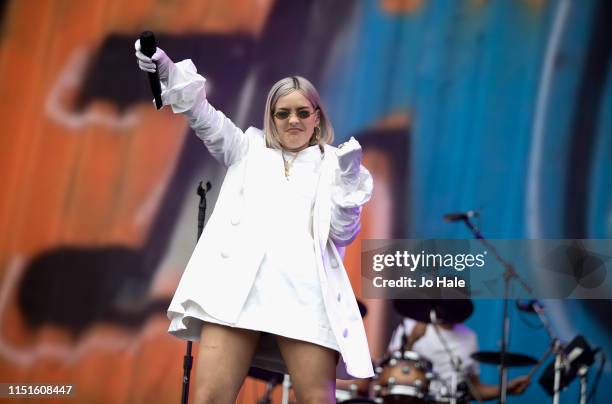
(540, 362)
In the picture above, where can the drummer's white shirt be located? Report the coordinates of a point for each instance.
(461, 340)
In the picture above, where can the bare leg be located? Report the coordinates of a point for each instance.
(312, 369)
(223, 362)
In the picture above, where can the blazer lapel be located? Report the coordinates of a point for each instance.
(322, 208)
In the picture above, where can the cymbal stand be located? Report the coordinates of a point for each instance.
(582, 373)
(266, 397)
(509, 274)
(559, 366)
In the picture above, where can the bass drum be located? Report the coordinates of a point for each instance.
(403, 378)
(357, 401)
(351, 396)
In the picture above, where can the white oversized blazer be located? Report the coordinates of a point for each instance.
(223, 266)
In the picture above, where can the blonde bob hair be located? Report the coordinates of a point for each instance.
(284, 87)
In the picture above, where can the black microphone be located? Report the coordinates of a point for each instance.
(530, 306)
(148, 47)
(459, 216)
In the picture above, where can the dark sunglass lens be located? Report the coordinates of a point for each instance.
(282, 114)
(303, 114)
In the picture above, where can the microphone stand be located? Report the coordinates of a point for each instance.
(404, 340)
(188, 359)
(509, 274)
(286, 387)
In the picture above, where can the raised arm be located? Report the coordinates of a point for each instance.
(352, 189)
(183, 89)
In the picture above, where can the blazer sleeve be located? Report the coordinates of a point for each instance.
(186, 94)
(348, 198)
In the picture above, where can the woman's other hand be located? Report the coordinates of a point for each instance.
(349, 159)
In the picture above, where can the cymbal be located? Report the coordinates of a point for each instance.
(512, 359)
(448, 310)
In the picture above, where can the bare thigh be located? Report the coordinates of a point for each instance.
(312, 369)
(224, 358)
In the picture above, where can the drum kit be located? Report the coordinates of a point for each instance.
(406, 377)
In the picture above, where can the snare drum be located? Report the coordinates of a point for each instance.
(403, 378)
(440, 393)
(343, 395)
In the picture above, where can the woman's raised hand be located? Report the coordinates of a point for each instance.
(159, 62)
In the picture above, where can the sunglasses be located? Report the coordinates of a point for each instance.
(301, 114)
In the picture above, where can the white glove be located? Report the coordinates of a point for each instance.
(159, 62)
(349, 159)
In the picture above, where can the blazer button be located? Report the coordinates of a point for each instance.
(345, 333)
(334, 263)
(235, 220)
(225, 254)
(339, 297)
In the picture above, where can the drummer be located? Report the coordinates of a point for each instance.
(462, 341)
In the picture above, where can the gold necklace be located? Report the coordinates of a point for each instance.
(288, 164)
